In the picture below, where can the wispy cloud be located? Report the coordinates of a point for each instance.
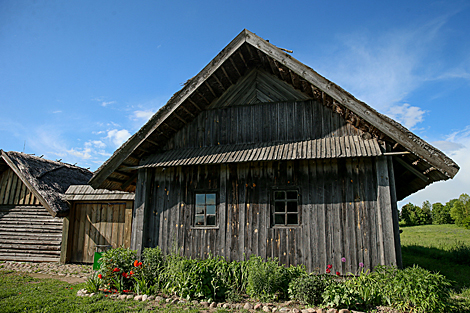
(105, 103)
(118, 137)
(143, 115)
(382, 69)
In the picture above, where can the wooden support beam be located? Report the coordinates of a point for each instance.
(243, 59)
(412, 170)
(167, 125)
(226, 75)
(130, 180)
(210, 88)
(152, 142)
(187, 111)
(194, 103)
(218, 81)
(235, 67)
(202, 96)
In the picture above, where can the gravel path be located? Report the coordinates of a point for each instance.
(67, 272)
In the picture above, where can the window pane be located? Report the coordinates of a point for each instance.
(292, 206)
(200, 209)
(210, 209)
(279, 206)
(210, 198)
(200, 198)
(279, 219)
(211, 220)
(199, 220)
(292, 195)
(279, 195)
(292, 219)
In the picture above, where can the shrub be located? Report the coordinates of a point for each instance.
(267, 280)
(114, 264)
(413, 288)
(153, 263)
(309, 288)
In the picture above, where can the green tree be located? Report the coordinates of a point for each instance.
(460, 211)
(441, 214)
(426, 217)
(412, 215)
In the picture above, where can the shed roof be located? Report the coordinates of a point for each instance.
(243, 54)
(47, 179)
(324, 148)
(88, 193)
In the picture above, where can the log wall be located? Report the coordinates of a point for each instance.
(343, 205)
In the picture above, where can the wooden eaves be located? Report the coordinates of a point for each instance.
(288, 69)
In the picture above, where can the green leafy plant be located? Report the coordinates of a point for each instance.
(116, 264)
(93, 283)
(309, 288)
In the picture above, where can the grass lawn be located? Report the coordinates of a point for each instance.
(444, 249)
(19, 292)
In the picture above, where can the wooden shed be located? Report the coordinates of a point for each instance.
(32, 205)
(98, 218)
(259, 154)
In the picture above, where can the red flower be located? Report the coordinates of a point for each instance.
(338, 273)
(116, 270)
(131, 273)
(329, 266)
(328, 270)
(125, 275)
(136, 263)
(100, 276)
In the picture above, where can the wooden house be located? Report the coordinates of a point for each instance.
(32, 205)
(259, 154)
(98, 219)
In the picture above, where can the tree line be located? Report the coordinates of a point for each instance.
(455, 211)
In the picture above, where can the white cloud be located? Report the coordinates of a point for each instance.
(90, 149)
(105, 103)
(58, 111)
(143, 115)
(406, 114)
(118, 137)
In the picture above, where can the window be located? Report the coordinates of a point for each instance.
(206, 209)
(286, 207)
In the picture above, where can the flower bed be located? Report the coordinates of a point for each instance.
(255, 279)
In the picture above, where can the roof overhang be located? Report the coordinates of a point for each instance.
(243, 53)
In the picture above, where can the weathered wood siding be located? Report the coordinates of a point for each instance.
(97, 223)
(269, 122)
(28, 232)
(14, 192)
(342, 204)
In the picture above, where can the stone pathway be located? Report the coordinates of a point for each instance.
(78, 271)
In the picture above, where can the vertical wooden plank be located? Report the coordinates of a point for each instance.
(3, 184)
(305, 208)
(86, 234)
(255, 207)
(81, 234)
(322, 234)
(114, 224)
(350, 242)
(128, 224)
(385, 211)
(396, 227)
(19, 186)
(11, 179)
(234, 252)
(65, 239)
(22, 194)
(263, 216)
(242, 172)
(139, 210)
(338, 226)
(222, 221)
(249, 210)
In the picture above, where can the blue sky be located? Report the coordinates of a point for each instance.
(77, 78)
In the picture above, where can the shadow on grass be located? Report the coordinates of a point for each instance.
(453, 263)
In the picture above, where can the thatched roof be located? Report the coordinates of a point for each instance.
(47, 179)
(417, 165)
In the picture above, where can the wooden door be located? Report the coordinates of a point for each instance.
(93, 224)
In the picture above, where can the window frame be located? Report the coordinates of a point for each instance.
(193, 215)
(286, 212)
